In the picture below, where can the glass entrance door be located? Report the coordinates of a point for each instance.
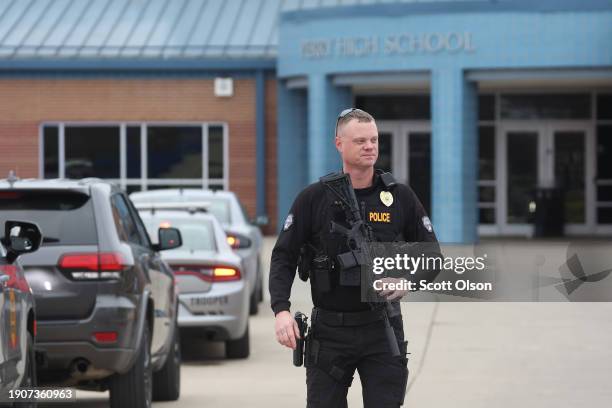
(404, 148)
(550, 155)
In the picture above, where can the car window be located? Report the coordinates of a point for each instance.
(142, 231)
(197, 235)
(64, 217)
(219, 207)
(126, 227)
(245, 215)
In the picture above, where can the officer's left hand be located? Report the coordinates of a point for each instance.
(392, 294)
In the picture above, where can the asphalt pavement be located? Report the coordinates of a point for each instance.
(471, 355)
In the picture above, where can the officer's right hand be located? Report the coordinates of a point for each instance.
(286, 329)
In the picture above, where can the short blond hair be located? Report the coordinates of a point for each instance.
(352, 114)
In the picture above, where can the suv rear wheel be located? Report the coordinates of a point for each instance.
(167, 381)
(134, 389)
(29, 378)
(238, 348)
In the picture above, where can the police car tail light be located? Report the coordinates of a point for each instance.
(237, 241)
(208, 273)
(223, 274)
(92, 266)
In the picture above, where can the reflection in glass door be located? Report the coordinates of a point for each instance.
(522, 158)
(419, 166)
(385, 149)
(570, 173)
(547, 155)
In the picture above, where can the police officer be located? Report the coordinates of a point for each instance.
(346, 334)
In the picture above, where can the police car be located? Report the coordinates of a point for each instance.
(17, 318)
(213, 291)
(243, 234)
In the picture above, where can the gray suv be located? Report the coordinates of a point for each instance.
(106, 303)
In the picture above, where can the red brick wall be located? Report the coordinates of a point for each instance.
(26, 103)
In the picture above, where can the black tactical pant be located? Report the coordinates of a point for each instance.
(337, 351)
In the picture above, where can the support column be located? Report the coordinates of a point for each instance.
(454, 157)
(292, 147)
(325, 101)
(260, 133)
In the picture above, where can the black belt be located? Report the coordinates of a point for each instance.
(331, 318)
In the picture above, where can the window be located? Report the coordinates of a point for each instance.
(604, 174)
(545, 106)
(91, 151)
(138, 156)
(51, 151)
(396, 107)
(174, 152)
(144, 236)
(126, 227)
(64, 217)
(197, 235)
(133, 148)
(487, 184)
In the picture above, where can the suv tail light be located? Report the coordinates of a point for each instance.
(15, 280)
(238, 241)
(209, 273)
(93, 266)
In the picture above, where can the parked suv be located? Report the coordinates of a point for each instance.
(17, 318)
(106, 303)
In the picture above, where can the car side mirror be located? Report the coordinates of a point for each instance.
(260, 220)
(20, 238)
(169, 238)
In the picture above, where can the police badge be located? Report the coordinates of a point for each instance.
(386, 198)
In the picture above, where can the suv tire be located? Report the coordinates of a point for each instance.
(238, 348)
(167, 381)
(134, 389)
(29, 378)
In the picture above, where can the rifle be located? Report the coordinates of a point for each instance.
(358, 236)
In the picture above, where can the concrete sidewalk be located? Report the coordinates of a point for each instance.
(488, 354)
(502, 355)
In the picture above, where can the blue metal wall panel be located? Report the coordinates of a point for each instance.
(454, 156)
(292, 151)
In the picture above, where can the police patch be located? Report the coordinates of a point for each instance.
(427, 224)
(288, 222)
(386, 198)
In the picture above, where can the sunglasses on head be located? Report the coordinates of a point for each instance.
(343, 114)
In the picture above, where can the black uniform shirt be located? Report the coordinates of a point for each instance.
(309, 219)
